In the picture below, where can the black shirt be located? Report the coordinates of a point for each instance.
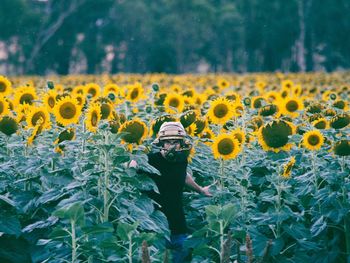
(170, 185)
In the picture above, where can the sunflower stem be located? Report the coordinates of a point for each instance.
(106, 183)
(313, 157)
(222, 172)
(74, 245)
(342, 164)
(83, 140)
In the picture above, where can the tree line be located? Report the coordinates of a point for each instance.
(89, 36)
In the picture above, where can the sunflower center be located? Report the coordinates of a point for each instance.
(313, 140)
(94, 118)
(26, 98)
(258, 103)
(320, 125)
(68, 110)
(339, 104)
(105, 111)
(51, 102)
(2, 87)
(37, 116)
(134, 94)
(92, 91)
(135, 132)
(174, 102)
(220, 110)
(226, 146)
(276, 135)
(292, 105)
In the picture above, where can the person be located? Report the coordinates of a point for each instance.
(170, 159)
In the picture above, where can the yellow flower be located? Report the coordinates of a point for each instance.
(290, 106)
(287, 84)
(313, 140)
(258, 102)
(49, 100)
(274, 135)
(25, 95)
(93, 89)
(321, 124)
(93, 117)
(135, 92)
(38, 115)
(238, 134)
(4, 106)
(220, 111)
(225, 146)
(5, 86)
(287, 169)
(136, 131)
(223, 84)
(67, 111)
(174, 102)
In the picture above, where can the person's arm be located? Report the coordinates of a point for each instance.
(194, 186)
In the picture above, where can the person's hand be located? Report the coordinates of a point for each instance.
(205, 191)
(133, 164)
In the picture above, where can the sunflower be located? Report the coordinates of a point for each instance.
(192, 129)
(330, 112)
(239, 135)
(225, 146)
(67, 111)
(220, 111)
(341, 104)
(272, 96)
(37, 130)
(320, 124)
(287, 84)
(5, 86)
(4, 106)
(93, 89)
(106, 110)
(66, 135)
(25, 95)
(258, 102)
(135, 130)
(111, 88)
(22, 111)
(223, 84)
(290, 106)
(174, 102)
(287, 169)
(274, 135)
(8, 125)
(238, 109)
(81, 99)
(314, 108)
(188, 118)
(342, 148)
(114, 126)
(49, 100)
(340, 121)
(268, 110)
(233, 96)
(135, 92)
(79, 90)
(313, 140)
(207, 134)
(201, 124)
(38, 115)
(93, 117)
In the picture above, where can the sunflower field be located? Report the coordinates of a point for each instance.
(274, 148)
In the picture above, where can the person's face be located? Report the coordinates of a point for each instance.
(169, 143)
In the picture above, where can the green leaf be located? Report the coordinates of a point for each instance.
(7, 200)
(10, 225)
(318, 226)
(125, 229)
(98, 229)
(73, 212)
(228, 213)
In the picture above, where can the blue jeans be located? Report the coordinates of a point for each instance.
(178, 251)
